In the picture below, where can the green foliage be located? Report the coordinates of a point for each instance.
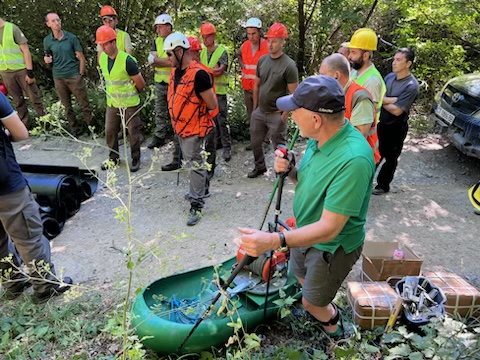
(237, 115)
(445, 35)
(62, 331)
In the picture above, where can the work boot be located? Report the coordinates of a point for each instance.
(227, 155)
(110, 164)
(52, 291)
(156, 143)
(170, 167)
(194, 217)
(256, 172)
(16, 290)
(379, 191)
(135, 165)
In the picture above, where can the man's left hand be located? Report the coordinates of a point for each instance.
(284, 116)
(258, 242)
(29, 80)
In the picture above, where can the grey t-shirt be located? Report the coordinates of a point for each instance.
(406, 90)
(275, 75)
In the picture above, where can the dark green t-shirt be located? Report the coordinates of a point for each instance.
(65, 63)
(275, 75)
(338, 177)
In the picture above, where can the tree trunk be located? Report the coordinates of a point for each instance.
(370, 13)
(301, 38)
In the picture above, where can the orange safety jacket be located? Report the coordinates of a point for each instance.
(214, 112)
(188, 112)
(249, 69)
(354, 94)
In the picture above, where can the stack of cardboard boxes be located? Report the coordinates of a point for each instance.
(372, 300)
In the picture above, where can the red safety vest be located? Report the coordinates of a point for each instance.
(188, 112)
(354, 94)
(249, 70)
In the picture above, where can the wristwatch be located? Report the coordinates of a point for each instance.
(283, 242)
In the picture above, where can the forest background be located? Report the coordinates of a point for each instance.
(445, 35)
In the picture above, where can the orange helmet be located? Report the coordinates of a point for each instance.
(105, 34)
(207, 29)
(277, 30)
(107, 10)
(194, 43)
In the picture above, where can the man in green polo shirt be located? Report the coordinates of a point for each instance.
(64, 54)
(333, 188)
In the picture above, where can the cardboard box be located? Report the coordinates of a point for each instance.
(462, 298)
(371, 303)
(378, 263)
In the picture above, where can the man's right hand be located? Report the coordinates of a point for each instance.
(281, 164)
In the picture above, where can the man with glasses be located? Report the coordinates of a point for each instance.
(123, 82)
(110, 18)
(64, 54)
(190, 98)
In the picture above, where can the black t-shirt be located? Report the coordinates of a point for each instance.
(202, 80)
(132, 67)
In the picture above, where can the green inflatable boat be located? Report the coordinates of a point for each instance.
(165, 312)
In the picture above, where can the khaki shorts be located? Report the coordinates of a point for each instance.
(322, 271)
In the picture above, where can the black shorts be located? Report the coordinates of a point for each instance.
(323, 272)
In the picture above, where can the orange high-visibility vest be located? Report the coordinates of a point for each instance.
(354, 94)
(249, 70)
(188, 112)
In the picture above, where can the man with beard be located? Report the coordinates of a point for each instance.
(190, 97)
(277, 75)
(362, 45)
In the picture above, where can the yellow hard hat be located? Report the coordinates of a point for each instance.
(364, 39)
(474, 195)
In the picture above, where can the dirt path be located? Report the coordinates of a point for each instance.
(427, 209)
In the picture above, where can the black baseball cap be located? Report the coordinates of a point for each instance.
(322, 94)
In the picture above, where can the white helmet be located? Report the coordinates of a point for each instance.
(254, 22)
(163, 19)
(174, 40)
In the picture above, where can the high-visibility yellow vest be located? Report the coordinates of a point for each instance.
(221, 82)
(361, 80)
(121, 90)
(161, 73)
(11, 56)
(121, 40)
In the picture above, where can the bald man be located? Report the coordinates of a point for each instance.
(360, 110)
